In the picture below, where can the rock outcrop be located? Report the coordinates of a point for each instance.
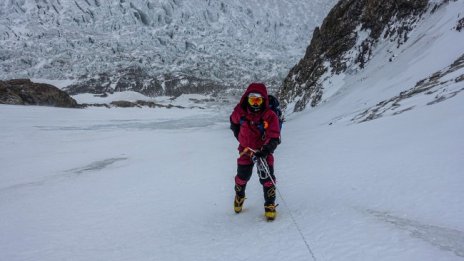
(140, 104)
(25, 92)
(140, 80)
(337, 46)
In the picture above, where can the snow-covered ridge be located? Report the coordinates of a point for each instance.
(413, 42)
(228, 42)
(439, 87)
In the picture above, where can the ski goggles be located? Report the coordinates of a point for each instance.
(257, 101)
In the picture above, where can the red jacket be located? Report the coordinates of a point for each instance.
(250, 135)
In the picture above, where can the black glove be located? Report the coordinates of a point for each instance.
(268, 148)
(262, 153)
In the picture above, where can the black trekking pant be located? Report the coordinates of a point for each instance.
(244, 173)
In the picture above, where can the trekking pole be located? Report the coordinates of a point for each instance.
(263, 167)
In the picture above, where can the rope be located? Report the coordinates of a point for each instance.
(263, 167)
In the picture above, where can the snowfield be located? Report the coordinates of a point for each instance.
(157, 184)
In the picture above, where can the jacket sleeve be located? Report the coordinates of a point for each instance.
(272, 132)
(271, 145)
(235, 127)
(235, 121)
(273, 129)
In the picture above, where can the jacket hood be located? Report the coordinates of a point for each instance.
(258, 88)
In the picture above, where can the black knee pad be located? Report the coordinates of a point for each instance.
(243, 176)
(244, 172)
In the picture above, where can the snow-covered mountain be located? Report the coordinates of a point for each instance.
(361, 40)
(155, 46)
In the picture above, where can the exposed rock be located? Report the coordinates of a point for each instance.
(338, 34)
(25, 92)
(140, 80)
(460, 25)
(129, 104)
(439, 83)
(124, 104)
(85, 105)
(150, 104)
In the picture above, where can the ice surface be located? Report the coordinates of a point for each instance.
(231, 42)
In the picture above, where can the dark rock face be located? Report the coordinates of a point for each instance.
(130, 104)
(25, 92)
(460, 25)
(330, 43)
(140, 104)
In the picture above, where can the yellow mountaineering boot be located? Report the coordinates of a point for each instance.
(238, 203)
(270, 211)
